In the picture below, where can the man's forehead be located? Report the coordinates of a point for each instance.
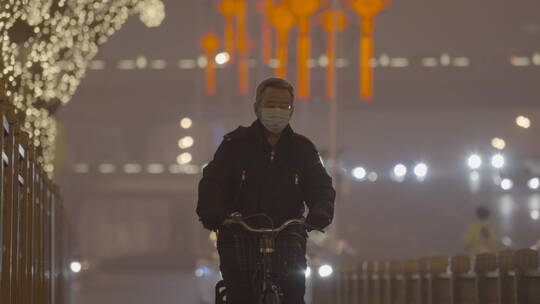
(277, 95)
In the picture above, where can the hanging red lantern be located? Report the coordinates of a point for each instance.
(333, 21)
(243, 48)
(303, 9)
(367, 10)
(282, 19)
(263, 7)
(210, 44)
(229, 9)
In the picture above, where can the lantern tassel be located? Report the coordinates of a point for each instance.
(282, 54)
(366, 54)
(331, 67)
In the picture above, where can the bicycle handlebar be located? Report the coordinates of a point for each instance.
(240, 221)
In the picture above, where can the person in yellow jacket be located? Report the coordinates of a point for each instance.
(481, 236)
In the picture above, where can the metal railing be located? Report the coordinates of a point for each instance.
(509, 277)
(32, 222)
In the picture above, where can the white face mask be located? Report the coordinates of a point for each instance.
(275, 119)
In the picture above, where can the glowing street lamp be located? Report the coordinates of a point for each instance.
(400, 170)
(474, 161)
(421, 170)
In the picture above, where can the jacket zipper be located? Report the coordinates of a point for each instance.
(296, 179)
(272, 155)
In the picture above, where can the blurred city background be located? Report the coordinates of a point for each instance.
(451, 125)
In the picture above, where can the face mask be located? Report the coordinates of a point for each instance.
(274, 119)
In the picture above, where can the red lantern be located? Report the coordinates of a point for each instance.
(229, 8)
(263, 7)
(303, 9)
(243, 49)
(210, 44)
(282, 20)
(333, 21)
(367, 10)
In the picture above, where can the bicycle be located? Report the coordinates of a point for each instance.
(270, 291)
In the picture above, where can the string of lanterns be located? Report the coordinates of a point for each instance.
(280, 18)
(46, 47)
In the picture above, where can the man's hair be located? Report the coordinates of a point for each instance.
(482, 213)
(273, 82)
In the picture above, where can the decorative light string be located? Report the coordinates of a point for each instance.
(46, 46)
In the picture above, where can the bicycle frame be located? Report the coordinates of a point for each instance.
(267, 246)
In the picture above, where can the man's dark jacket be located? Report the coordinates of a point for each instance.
(249, 176)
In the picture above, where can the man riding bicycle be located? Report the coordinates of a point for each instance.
(265, 172)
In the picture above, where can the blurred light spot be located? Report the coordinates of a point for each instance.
(186, 64)
(81, 168)
(421, 170)
(273, 63)
(400, 170)
(311, 63)
(359, 173)
(96, 65)
(523, 122)
(535, 214)
(185, 142)
(184, 158)
(141, 62)
(75, 267)
(212, 236)
(132, 168)
(325, 270)
(222, 58)
(186, 123)
(384, 60)
(474, 161)
(497, 161)
(507, 241)
(536, 59)
(151, 13)
(155, 168)
(372, 176)
(126, 64)
(498, 143)
(534, 183)
(158, 64)
(399, 62)
(106, 168)
(202, 61)
(520, 61)
(323, 61)
(461, 62)
(507, 184)
(445, 59)
(429, 62)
